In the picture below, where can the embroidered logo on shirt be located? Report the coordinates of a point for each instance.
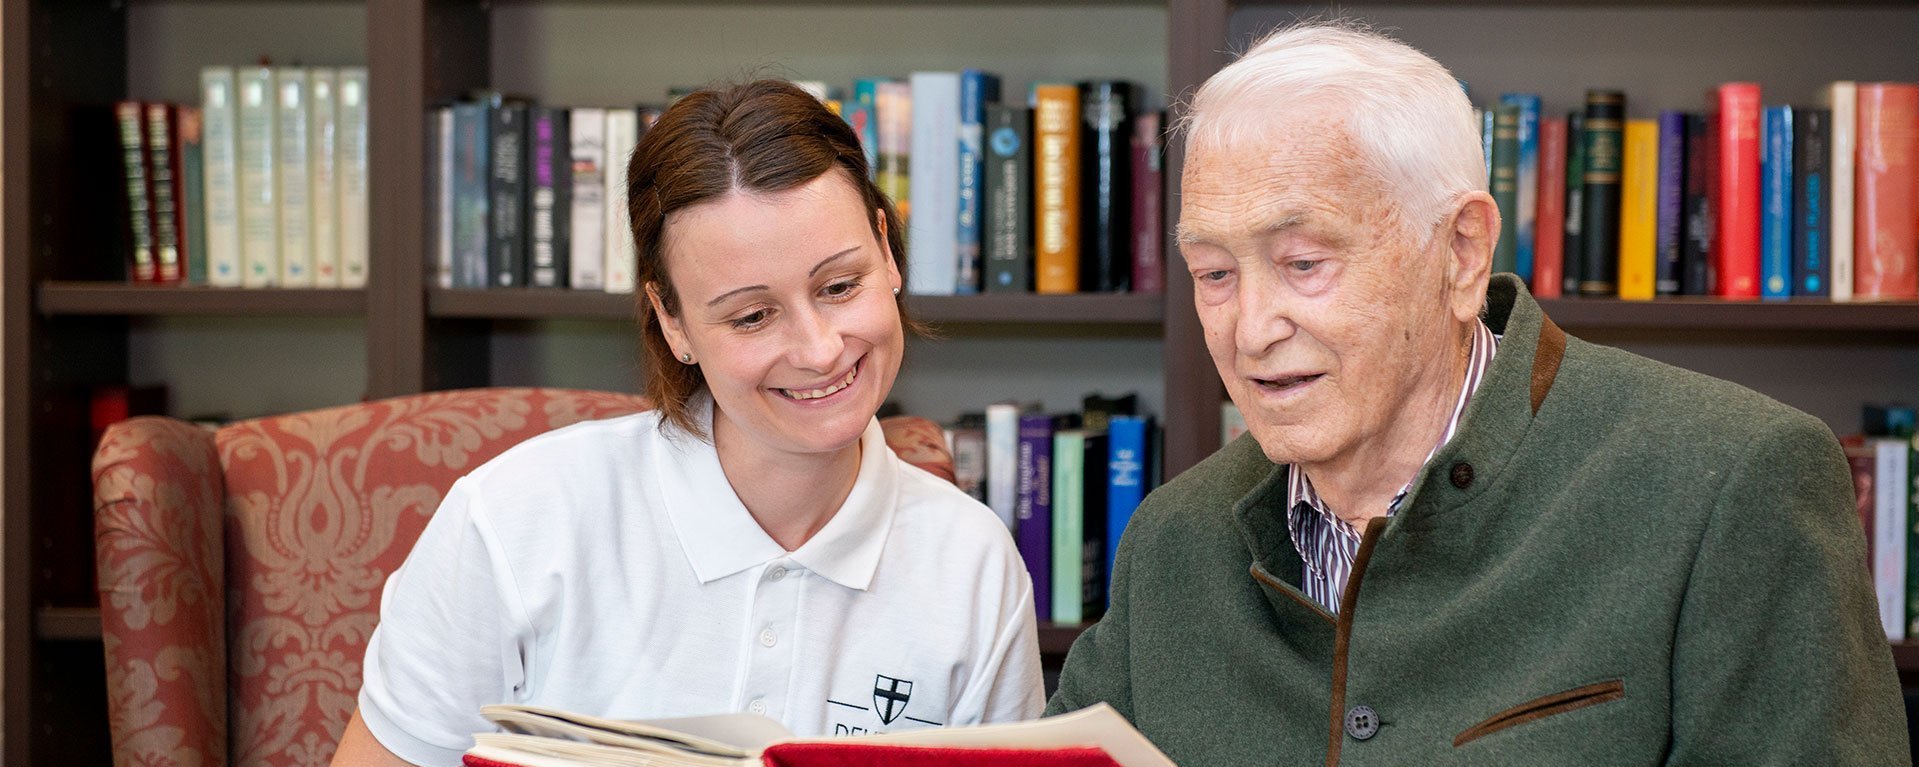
(891, 697)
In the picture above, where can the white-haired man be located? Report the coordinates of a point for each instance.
(1454, 535)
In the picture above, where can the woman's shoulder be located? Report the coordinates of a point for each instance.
(562, 452)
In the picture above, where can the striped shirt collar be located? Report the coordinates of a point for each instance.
(1328, 544)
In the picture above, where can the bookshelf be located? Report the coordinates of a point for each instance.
(62, 62)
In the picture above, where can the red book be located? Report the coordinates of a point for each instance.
(1886, 197)
(1149, 214)
(855, 755)
(1736, 248)
(1549, 249)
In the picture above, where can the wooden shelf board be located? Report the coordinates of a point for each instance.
(1722, 314)
(67, 623)
(102, 298)
(1097, 309)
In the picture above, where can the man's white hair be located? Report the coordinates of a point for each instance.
(1408, 117)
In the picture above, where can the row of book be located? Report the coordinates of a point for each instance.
(1885, 479)
(264, 184)
(1058, 193)
(1738, 201)
(1066, 484)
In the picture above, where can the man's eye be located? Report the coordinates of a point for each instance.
(1302, 266)
(750, 320)
(1216, 275)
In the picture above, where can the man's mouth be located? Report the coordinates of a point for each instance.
(1286, 383)
(824, 391)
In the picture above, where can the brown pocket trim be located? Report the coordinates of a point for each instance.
(1556, 703)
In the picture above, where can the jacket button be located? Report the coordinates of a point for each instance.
(1362, 722)
(1462, 475)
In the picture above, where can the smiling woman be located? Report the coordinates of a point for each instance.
(750, 545)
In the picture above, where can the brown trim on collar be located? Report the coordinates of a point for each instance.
(1266, 578)
(1552, 350)
(1540, 708)
(1342, 634)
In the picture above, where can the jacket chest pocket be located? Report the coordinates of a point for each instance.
(1540, 708)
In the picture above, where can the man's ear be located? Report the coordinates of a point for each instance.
(669, 324)
(1474, 232)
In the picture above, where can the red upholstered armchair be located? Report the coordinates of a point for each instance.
(240, 569)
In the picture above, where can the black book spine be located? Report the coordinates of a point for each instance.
(1575, 243)
(1604, 140)
(1695, 254)
(1093, 575)
(507, 190)
(1106, 188)
(550, 214)
(1008, 191)
(1811, 203)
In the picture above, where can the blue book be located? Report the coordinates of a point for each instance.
(1486, 141)
(1528, 211)
(472, 168)
(1811, 198)
(1033, 507)
(1129, 438)
(977, 90)
(1670, 223)
(864, 116)
(1775, 216)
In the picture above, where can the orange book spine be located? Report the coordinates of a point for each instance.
(1736, 249)
(1886, 199)
(1549, 252)
(1639, 211)
(1056, 188)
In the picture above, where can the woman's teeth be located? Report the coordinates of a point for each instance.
(805, 394)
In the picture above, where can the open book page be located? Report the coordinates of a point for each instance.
(1098, 725)
(722, 735)
(517, 750)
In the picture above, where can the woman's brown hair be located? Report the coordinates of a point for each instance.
(762, 136)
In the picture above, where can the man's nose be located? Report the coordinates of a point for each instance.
(1265, 313)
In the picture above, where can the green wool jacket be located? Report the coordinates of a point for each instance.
(1613, 562)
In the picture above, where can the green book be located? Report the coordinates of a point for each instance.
(193, 172)
(1604, 141)
(1079, 525)
(1505, 186)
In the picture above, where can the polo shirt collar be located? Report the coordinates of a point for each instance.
(720, 538)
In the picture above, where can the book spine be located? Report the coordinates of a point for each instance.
(1093, 569)
(1910, 490)
(864, 117)
(893, 101)
(1843, 98)
(932, 231)
(166, 194)
(1126, 464)
(552, 188)
(1811, 203)
(133, 149)
(1775, 223)
(218, 104)
(296, 225)
(1549, 241)
(1736, 248)
(1106, 205)
(259, 194)
(351, 165)
(194, 204)
(1486, 119)
(977, 89)
(470, 174)
(1066, 601)
(1639, 210)
(1149, 208)
(1002, 462)
(586, 133)
(1886, 234)
(1574, 256)
(440, 151)
(1505, 186)
(323, 153)
(506, 252)
(1033, 511)
(969, 458)
(1889, 528)
(1672, 193)
(1605, 116)
(1527, 226)
(1009, 200)
(1695, 245)
(1056, 216)
(622, 134)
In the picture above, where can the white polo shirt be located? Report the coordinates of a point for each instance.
(609, 568)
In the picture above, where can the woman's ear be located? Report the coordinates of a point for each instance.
(893, 279)
(669, 324)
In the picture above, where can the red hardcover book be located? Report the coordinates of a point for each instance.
(1149, 213)
(1549, 250)
(1886, 198)
(1736, 248)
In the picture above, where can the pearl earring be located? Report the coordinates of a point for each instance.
(686, 357)
(896, 291)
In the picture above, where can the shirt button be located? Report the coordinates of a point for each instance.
(1362, 722)
(776, 573)
(1462, 475)
(757, 707)
(768, 638)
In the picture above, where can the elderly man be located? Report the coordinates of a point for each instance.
(1456, 535)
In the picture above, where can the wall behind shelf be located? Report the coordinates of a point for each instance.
(168, 42)
(245, 367)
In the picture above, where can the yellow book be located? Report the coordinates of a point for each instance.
(1639, 211)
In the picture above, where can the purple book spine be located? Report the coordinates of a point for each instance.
(1033, 512)
(1672, 189)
